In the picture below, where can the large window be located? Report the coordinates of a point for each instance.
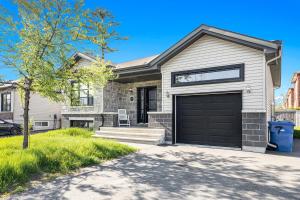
(82, 95)
(229, 73)
(6, 102)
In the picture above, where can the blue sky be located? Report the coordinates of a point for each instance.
(152, 26)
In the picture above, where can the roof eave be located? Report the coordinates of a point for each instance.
(202, 30)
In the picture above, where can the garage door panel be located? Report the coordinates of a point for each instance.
(209, 119)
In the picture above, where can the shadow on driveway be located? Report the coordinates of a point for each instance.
(180, 172)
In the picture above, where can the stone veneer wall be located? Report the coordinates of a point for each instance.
(117, 96)
(110, 119)
(161, 120)
(254, 130)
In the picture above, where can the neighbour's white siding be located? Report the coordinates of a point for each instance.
(209, 51)
(269, 93)
(41, 109)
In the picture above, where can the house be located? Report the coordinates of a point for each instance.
(43, 113)
(293, 95)
(213, 87)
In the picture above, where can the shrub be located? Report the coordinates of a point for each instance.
(56, 151)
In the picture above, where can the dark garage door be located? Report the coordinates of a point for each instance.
(209, 119)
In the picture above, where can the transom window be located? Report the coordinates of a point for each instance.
(82, 95)
(222, 74)
(6, 102)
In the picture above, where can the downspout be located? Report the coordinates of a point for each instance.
(267, 65)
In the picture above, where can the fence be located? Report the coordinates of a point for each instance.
(290, 115)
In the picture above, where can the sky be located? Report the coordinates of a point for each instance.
(153, 26)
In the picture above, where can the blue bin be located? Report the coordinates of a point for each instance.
(281, 133)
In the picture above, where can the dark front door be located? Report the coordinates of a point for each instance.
(147, 101)
(214, 119)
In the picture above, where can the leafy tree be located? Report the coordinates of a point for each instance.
(37, 44)
(99, 27)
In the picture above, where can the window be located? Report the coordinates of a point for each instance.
(223, 74)
(6, 102)
(41, 123)
(81, 95)
(82, 123)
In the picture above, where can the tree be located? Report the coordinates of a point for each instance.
(99, 28)
(37, 45)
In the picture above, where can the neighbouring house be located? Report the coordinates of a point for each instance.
(213, 87)
(44, 114)
(293, 95)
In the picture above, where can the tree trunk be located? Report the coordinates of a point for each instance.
(27, 86)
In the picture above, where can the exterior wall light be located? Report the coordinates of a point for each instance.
(248, 89)
(167, 94)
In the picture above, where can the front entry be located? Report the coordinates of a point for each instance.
(146, 101)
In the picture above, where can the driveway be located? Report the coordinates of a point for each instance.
(180, 172)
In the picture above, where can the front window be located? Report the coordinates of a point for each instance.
(81, 95)
(6, 102)
(230, 73)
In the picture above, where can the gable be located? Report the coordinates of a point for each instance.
(212, 51)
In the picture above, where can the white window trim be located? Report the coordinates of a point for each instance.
(12, 94)
(41, 123)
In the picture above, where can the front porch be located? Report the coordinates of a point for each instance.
(141, 99)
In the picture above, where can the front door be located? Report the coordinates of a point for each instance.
(147, 101)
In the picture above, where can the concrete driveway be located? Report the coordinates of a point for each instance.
(180, 172)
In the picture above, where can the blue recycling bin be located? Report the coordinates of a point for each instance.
(281, 133)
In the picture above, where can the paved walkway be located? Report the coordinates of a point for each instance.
(180, 172)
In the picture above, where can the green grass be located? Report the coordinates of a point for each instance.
(58, 151)
(297, 132)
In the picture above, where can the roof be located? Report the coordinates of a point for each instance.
(137, 62)
(271, 48)
(261, 44)
(8, 85)
(84, 55)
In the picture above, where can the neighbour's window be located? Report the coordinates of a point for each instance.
(6, 101)
(81, 95)
(41, 123)
(230, 73)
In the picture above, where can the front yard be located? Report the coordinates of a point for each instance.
(53, 152)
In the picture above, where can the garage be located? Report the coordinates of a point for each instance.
(213, 119)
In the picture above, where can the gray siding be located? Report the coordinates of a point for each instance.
(211, 52)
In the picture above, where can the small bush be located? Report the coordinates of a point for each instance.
(297, 132)
(56, 151)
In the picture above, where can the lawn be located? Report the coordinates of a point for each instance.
(297, 132)
(57, 151)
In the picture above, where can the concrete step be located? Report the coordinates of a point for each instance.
(130, 134)
(133, 130)
(131, 139)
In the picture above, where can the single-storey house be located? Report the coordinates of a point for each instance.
(213, 87)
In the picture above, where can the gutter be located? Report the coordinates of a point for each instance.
(267, 65)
